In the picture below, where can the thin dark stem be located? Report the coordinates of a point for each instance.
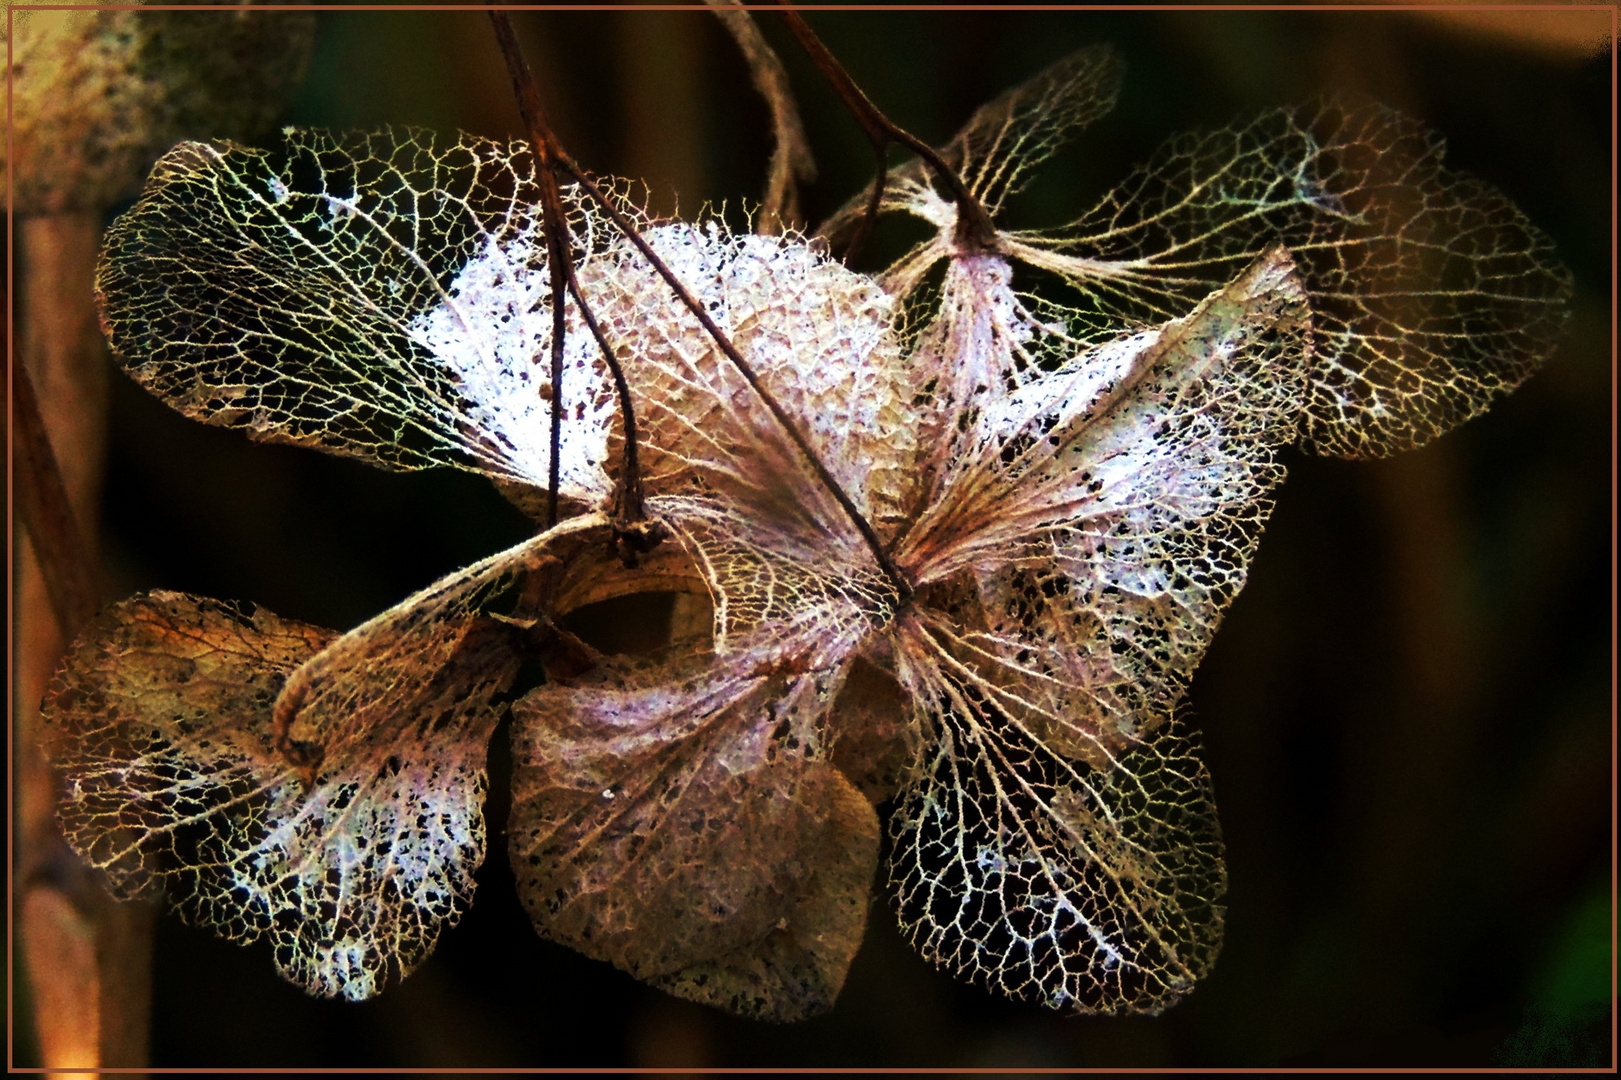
(551, 155)
(628, 512)
(975, 231)
(902, 588)
(869, 217)
(552, 223)
(554, 463)
(42, 499)
(633, 533)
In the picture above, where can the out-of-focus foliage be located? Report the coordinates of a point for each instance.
(97, 95)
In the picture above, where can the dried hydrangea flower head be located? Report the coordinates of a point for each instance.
(1070, 497)
(277, 295)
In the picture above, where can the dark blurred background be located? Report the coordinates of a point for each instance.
(1408, 713)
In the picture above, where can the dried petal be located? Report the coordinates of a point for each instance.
(818, 337)
(681, 821)
(1011, 135)
(370, 295)
(798, 968)
(764, 533)
(281, 781)
(160, 724)
(1075, 496)
(1141, 437)
(877, 741)
(385, 680)
(1432, 295)
(1046, 879)
(1002, 142)
(160, 717)
(1060, 844)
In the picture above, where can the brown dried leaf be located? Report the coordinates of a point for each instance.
(317, 296)
(160, 717)
(1432, 295)
(1001, 144)
(403, 675)
(1074, 495)
(681, 821)
(798, 968)
(876, 741)
(280, 781)
(819, 338)
(1061, 845)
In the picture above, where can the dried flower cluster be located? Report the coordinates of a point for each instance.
(1069, 495)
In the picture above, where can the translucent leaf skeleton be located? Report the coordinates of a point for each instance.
(1071, 495)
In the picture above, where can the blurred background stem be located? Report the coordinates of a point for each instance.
(87, 958)
(97, 96)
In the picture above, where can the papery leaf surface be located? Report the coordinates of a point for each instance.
(318, 295)
(160, 724)
(382, 681)
(1432, 294)
(1003, 142)
(160, 716)
(762, 529)
(680, 819)
(383, 295)
(818, 337)
(877, 743)
(718, 466)
(1045, 879)
(1060, 844)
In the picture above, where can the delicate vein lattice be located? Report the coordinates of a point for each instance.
(1074, 493)
(1432, 295)
(1060, 844)
(631, 783)
(719, 469)
(162, 719)
(1004, 141)
(291, 295)
(351, 852)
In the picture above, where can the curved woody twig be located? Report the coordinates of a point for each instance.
(552, 156)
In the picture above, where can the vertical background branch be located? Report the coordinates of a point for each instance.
(96, 96)
(658, 67)
(791, 161)
(87, 957)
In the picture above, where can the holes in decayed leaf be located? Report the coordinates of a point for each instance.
(1011, 901)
